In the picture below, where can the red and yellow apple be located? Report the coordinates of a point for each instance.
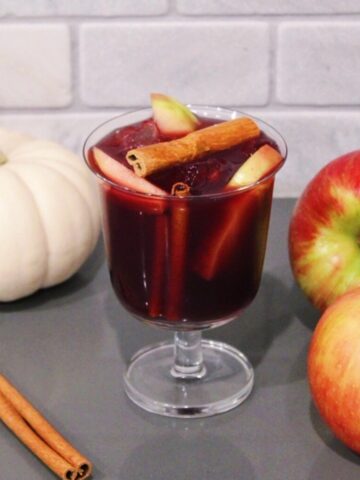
(334, 368)
(324, 234)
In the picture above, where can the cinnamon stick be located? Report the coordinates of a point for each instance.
(15, 422)
(178, 245)
(46, 432)
(151, 158)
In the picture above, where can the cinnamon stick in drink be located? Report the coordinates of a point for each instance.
(46, 432)
(15, 422)
(178, 245)
(151, 158)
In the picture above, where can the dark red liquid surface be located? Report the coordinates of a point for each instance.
(185, 262)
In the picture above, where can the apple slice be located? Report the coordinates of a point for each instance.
(123, 176)
(118, 173)
(172, 117)
(257, 166)
(218, 248)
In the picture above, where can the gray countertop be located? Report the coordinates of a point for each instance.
(66, 349)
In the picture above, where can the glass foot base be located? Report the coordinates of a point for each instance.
(228, 381)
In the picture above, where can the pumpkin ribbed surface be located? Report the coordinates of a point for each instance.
(49, 220)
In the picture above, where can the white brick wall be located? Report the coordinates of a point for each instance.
(212, 63)
(261, 7)
(319, 64)
(66, 66)
(82, 7)
(34, 66)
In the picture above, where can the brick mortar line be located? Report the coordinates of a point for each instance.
(171, 18)
(308, 109)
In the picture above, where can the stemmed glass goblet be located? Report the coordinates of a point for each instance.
(185, 263)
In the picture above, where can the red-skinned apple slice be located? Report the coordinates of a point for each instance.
(123, 176)
(217, 248)
(172, 118)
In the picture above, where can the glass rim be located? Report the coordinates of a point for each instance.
(220, 194)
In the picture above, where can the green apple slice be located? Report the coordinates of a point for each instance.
(172, 117)
(256, 167)
(118, 173)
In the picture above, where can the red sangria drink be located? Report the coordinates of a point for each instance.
(186, 198)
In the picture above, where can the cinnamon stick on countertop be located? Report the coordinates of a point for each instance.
(15, 422)
(40, 436)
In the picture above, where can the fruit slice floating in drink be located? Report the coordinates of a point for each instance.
(172, 118)
(121, 175)
(218, 246)
(257, 167)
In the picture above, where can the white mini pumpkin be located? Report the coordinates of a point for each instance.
(49, 215)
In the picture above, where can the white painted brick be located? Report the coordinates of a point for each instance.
(35, 68)
(319, 63)
(70, 130)
(262, 7)
(82, 7)
(314, 139)
(212, 63)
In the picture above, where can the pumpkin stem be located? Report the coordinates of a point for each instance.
(3, 158)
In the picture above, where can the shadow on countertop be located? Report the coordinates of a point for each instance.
(303, 309)
(329, 439)
(215, 456)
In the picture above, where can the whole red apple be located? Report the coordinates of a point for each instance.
(324, 234)
(334, 368)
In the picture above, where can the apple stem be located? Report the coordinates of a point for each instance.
(3, 158)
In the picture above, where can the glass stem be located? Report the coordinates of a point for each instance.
(188, 357)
